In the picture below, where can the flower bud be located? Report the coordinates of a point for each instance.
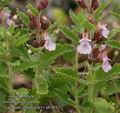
(81, 3)
(35, 43)
(95, 53)
(95, 4)
(90, 19)
(98, 37)
(44, 23)
(33, 22)
(29, 51)
(42, 4)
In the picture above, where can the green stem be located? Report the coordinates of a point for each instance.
(8, 59)
(91, 90)
(117, 96)
(10, 77)
(77, 106)
(76, 61)
(90, 93)
(37, 70)
(91, 86)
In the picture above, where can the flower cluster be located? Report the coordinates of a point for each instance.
(40, 25)
(86, 45)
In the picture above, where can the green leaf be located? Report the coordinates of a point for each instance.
(49, 57)
(81, 17)
(3, 100)
(11, 29)
(57, 83)
(100, 9)
(69, 73)
(70, 56)
(4, 2)
(41, 86)
(26, 65)
(113, 32)
(20, 52)
(30, 111)
(112, 88)
(6, 10)
(102, 106)
(34, 11)
(22, 91)
(73, 17)
(24, 18)
(3, 69)
(21, 40)
(115, 15)
(58, 88)
(78, 19)
(16, 63)
(4, 82)
(69, 34)
(53, 26)
(113, 43)
(88, 25)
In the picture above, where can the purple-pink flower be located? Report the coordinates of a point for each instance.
(6, 16)
(49, 43)
(104, 30)
(84, 47)
(102, 47)
(9, 22)
(105, 65)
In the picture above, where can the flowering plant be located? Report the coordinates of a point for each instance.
(47, 70)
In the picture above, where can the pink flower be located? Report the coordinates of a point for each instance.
(105, 65)
(102, 47)
(49, 43)
(104, 30)
(84, 47)
(8, 20)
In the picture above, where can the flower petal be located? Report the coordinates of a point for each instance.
(49, 44)
(84, 47)
(105, 33)
(102, 47)
(106, 66)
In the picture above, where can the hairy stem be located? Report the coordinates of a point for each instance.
(38, 36)
(76, 61)
(10, 73)
(90, 93)
(117, 95)
(77, 106)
